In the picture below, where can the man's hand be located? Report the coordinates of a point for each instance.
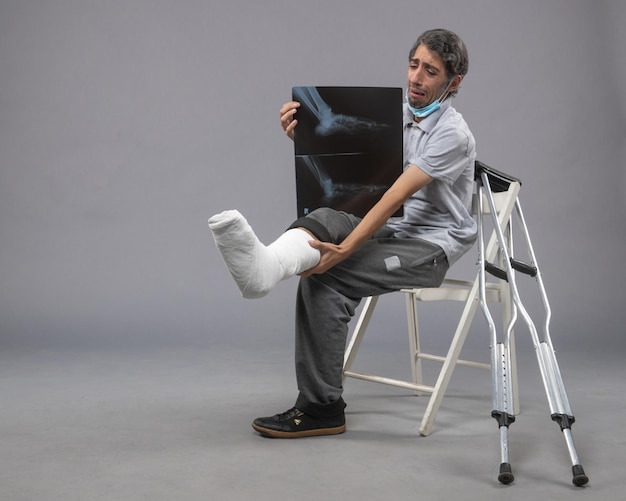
(410, 181)
(331, 254)
(287, 120)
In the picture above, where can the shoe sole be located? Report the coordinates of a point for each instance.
(299, 434)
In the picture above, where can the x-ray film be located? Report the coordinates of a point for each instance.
(348, 146)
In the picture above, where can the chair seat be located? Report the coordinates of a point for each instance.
(454, 290)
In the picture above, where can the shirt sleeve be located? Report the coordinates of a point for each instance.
(445, 155)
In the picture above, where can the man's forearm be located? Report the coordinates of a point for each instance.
(412, 180)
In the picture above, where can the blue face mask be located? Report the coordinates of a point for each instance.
(426, 110)
(429, 109)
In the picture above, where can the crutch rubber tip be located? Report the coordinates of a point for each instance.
(580, 478)
(506, 475)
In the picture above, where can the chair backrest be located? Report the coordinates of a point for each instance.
(500, 200)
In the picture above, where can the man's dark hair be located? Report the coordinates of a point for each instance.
(449, 47)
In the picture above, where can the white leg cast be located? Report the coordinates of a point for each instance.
(257, 268)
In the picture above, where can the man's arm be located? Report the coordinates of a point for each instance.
(411, 180)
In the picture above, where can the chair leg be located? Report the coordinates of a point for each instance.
(359, 332)
(449, 364)
(414, 339)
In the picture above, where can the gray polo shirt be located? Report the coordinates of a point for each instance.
(443, 147)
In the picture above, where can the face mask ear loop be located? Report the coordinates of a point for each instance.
(442, 98)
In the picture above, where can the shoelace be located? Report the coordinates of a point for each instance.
(294, 411)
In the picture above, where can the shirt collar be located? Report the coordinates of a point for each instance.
(427, 123)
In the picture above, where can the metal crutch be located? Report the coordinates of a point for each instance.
(502, 401)
(551, 376)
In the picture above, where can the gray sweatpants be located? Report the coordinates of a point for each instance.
(326, 303)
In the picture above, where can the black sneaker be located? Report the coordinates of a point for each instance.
(296, 424)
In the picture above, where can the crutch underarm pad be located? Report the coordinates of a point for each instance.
(498, 181)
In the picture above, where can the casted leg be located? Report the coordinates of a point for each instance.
(257, 268)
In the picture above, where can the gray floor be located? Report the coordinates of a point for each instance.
(174, 424)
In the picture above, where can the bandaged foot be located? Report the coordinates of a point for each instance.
(257, 268)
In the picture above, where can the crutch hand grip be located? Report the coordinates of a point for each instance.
(523, 267)
(516, 264)
(496, 271)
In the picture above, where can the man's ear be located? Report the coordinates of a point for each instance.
(456, 82)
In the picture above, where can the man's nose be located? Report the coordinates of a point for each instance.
(416, 77)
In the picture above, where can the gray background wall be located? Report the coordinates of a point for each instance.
(125, 124)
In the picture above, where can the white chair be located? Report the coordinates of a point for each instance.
(450, 290)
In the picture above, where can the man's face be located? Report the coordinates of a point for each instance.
(427, 77)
